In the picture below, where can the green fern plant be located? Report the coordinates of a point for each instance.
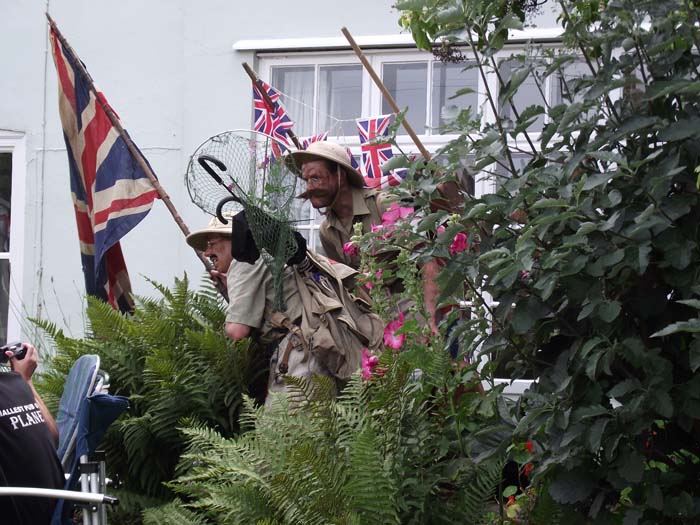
(394, 449)
(173, 361)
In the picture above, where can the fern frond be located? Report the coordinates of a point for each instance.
(174, 513)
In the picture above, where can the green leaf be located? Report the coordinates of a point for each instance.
(593, 181)
(595, 434)
(572, 113)
(610, 223)
(571, 486)
(632, 467)
(608, 311)
(661, 402)
(462, 91)
(586, 227)
(693, 303)
(694, 355)
(612, 258)
(624, 387)
(661, 88)
(514, 82)
(644, 252)
(550, 203)
(396, 162)
(680, 130)
(592, 365)
(692, 326)
(509, 491)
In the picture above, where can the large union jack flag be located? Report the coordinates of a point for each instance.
(111, 193)
(272, 121)
(376, 153)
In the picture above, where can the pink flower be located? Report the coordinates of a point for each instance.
(391, 338)
(369, 362)
(394, 213)
(440, 230)
(351, 249)
(459, 243)
(364, 279)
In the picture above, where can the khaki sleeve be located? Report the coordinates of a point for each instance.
(247, 284)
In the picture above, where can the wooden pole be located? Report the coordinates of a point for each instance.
(449, 190)
(259, 84)
(133, 149)
(385, 92)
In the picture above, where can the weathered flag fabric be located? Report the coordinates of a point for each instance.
(272, 121)
(375, 153)
(306, 141)
(111, 193)
(353, 160)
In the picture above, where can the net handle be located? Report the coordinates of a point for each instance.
(222, 203)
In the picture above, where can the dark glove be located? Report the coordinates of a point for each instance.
(243, 247)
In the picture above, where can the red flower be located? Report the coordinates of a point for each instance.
(511, 500)
(459, 243)
(529, 446)
(391, 338)
(351, 249)
(528, 469)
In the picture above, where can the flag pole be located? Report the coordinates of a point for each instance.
(449, 190)
(136, 154)
(266, 97)
(385, 92)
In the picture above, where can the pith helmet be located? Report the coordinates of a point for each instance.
(324, 150)
(198, 239)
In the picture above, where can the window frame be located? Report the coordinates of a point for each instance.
(15, 143)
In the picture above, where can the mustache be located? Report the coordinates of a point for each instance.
(308, 194)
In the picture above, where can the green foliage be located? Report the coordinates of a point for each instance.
(590, 249)
(174, 363)
(388, 450)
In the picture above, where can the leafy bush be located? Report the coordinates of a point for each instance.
(173, 362)
(590, 250)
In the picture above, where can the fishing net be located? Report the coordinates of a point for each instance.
(245, 168)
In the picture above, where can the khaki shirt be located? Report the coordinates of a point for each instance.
(251, 297)
(368, 205)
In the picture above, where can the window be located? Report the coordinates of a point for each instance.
(12, 176)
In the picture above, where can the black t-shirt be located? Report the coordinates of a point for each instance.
(27, 454)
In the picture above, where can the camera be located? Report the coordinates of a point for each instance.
(18, 351)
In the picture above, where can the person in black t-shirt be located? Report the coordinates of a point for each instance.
(28, 438)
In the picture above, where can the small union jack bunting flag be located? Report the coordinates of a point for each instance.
(272, 121)
(305, 141)
(375, 153)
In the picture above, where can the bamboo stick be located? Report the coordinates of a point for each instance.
(449, 190)
(386, 93)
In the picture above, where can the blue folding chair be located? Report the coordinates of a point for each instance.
(84, 415)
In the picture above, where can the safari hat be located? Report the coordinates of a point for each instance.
(324, 150)
(198, 240)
